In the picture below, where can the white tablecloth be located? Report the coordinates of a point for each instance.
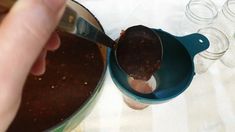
(208, 105)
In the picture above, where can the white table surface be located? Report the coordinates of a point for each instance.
(208, 105)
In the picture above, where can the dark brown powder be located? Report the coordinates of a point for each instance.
(139, 52)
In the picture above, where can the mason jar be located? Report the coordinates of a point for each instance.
(226, 23)
(141, 86)
(198, 14)
(219, 44)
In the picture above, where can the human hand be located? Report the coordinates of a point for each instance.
(26, 33)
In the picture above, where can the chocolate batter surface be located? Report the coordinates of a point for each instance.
(72, 74)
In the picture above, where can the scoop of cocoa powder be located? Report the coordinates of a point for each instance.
(139, 52)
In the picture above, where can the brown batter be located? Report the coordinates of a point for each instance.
(139, 52)
(73, 72)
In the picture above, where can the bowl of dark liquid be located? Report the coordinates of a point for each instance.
(61, 98)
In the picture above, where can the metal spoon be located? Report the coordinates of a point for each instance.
(72, 23)
(138, 51)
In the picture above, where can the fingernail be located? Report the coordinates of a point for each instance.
(39, 66)
(53, 43)
(55, 5)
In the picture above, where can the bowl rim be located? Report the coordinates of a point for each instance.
(96, 91)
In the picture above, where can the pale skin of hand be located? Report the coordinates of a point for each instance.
(26, 34)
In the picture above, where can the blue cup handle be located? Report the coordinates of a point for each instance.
(194, 43)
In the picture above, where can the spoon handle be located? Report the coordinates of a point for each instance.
(72, 23)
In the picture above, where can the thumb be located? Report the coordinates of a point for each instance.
(24, 32)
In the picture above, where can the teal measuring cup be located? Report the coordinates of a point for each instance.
(176, 71)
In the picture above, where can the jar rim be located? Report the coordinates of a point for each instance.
(221, 36)
(200, 19)
(227, 11)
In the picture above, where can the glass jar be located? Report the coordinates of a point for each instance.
(198, 14)
(226, 23)
(218, 46)
(140, 86)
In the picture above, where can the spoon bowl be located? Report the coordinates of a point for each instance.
(139, 52)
